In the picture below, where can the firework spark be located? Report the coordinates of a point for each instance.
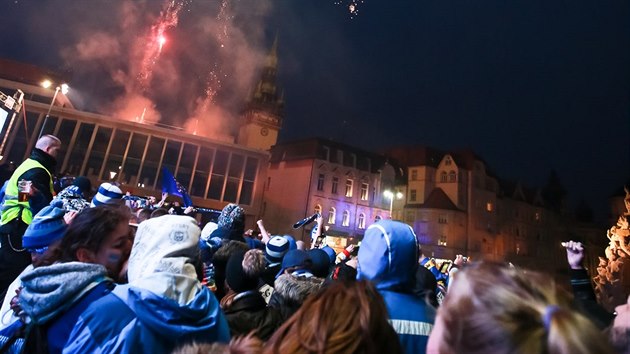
(161, 41)
(168, 19)
(353, 6)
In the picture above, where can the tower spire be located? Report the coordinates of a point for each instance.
(261, 119)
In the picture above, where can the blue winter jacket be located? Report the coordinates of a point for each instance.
(388, 257)
(135, 320)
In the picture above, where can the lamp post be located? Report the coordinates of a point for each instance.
(390, 195)
(64, 89)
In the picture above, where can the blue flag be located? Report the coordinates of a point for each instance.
(171, 186)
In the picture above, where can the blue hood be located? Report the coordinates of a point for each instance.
(388, 256)
(200, 318)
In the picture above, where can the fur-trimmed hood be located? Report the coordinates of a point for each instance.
(297, 288)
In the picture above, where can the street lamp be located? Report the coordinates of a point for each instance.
(390, 195)
(64, 88)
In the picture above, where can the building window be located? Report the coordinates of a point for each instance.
(320, 182)
(332, 215)
(442, 240)
(335, 182)
(442, 219)
(377, 218)
(414, 175)
(349, 188)
(318, 209)
(489, 207)
(447, 161)
(443, 176)
(361, 223)
(364, 191)
(345, 219)
(537, 216)
(412, 195)
(452, 176)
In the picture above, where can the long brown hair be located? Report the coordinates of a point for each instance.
(493, 308)
(89, 229)
(343, 318)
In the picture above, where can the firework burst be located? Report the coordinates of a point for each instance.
(352, 5)
(169, 18)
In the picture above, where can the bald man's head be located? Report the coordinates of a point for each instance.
(49, 144)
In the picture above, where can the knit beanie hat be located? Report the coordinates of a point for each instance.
(232, 216)
(47, 227)
(237, 278)
(105, 193)
(84, 184)
(320, 262)
(275, 249)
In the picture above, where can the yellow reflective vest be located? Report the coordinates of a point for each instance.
(11, 207)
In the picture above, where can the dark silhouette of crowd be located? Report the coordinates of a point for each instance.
(110, 273)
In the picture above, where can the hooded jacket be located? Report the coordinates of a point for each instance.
(389, 258)
(135, 320)
(54, 296)
(163, 306)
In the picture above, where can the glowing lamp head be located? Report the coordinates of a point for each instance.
(64, 89)
(46, 83)
(161, 40)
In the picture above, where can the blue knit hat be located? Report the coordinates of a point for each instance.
(47, 227)
(105, 193)
(232, 217)
(275, 249)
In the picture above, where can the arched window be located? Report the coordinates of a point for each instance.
(452, 176)
(332, 215)
(318, 209)
(361, 221)
(345, 219)
(443, 176)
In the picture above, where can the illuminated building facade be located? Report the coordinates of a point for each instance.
(133, 154)
(342, 183)
(456, 205)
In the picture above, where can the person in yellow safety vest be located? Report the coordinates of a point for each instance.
(16, 215)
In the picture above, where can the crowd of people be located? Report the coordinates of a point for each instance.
(106, 275)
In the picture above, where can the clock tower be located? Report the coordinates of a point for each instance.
(261, 119)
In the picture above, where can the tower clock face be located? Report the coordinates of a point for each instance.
(264, 131)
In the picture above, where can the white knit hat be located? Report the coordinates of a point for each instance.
(106, 192)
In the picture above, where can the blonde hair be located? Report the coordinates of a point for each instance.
(492, 308)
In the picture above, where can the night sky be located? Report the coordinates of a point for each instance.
(529, 85)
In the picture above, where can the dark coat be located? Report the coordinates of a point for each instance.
(40, 179)
(249, 312)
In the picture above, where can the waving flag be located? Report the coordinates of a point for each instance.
(171, 186)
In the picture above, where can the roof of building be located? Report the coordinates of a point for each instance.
(437, 199)
(315, 148)
(28, 74)
(421, 155)
(516, 190)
